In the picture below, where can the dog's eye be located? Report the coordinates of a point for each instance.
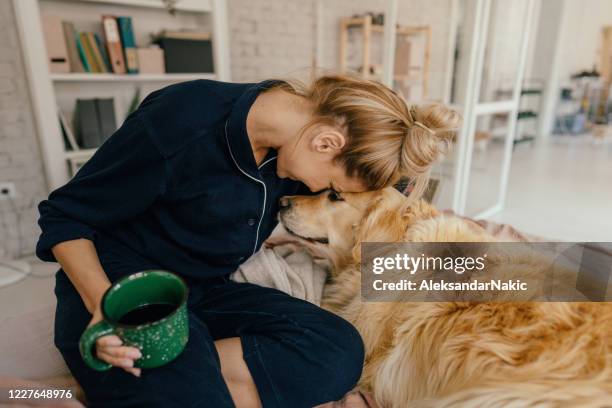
(334, 196)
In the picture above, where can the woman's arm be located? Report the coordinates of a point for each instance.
(80, 262)
(123, 178)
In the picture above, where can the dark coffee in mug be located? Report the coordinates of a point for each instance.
(147, 310)
(147, 313)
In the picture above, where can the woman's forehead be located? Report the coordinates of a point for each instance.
(347, 184)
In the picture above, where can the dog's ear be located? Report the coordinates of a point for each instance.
(383, 221)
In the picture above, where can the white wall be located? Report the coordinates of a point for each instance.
(581, 34)
(20, 159)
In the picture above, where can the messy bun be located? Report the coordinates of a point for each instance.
(386, 139)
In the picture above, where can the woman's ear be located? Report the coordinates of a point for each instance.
(328, 140)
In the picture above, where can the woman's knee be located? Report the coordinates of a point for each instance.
(347, 355)
(194, 376)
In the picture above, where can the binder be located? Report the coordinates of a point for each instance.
(94, 121)
(57, 52)
(91, 61)
(129, 44)
(106, 117)
(74, 60)
(93, 44)
(113, 44)
(87, 124)
(102, 49)
(82, 54)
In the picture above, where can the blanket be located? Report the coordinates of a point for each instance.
(290, 270)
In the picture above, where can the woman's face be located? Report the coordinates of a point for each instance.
(310, 159)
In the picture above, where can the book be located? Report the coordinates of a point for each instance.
(113, 44)
(126, 32)
(102, 49)
(82, 54)
(91, 61)
(74, 60)
(93, 44)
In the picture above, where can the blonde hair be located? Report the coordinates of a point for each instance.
(387, 139)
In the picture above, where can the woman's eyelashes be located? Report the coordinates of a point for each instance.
(334, 196)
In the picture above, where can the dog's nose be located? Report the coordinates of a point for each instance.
(285, 202)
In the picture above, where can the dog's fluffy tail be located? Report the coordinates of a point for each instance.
(593, 393)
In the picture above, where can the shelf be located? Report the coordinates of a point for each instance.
(202, 6)
(526, 115)
(360, 22)
(87, 77)
(77, 154)
(531, 91)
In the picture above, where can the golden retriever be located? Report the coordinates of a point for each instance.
(451, 354)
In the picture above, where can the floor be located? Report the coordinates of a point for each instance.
(561, 190)
(30, 293)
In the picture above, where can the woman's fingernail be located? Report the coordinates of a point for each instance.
(137, 373)
(128, 363)
(136, 354)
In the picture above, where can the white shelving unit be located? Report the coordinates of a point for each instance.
(52, 91)
(127, 78)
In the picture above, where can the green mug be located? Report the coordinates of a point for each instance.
(147, 310)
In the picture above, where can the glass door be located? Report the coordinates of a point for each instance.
(493, 36)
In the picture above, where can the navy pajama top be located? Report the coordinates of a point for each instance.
(175, 187)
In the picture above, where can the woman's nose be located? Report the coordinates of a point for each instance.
(285, 202)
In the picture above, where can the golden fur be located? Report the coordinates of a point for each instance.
(451, 354)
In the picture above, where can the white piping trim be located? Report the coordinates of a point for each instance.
(263, 210)
(266, 162)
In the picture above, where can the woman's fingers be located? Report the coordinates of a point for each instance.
(125, 352)
(135, 371)
(110, 340)
(110, 349)
(119, 359)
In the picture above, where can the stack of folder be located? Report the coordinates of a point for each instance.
(72, 51)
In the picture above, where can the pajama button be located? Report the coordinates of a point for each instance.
(251, 221)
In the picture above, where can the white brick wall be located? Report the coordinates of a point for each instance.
(20, 159)
(277, 37)
(271, 38)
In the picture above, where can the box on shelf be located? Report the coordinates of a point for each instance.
(186, 51)
(151, 60)
(57, 51)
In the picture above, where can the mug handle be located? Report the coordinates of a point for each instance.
(88, 340)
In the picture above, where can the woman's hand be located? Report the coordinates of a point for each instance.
(109, 349)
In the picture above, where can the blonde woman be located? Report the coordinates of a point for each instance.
(190, 183)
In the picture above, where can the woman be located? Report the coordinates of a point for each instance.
(190, 183)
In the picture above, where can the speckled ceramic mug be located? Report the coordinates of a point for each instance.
(160, 338)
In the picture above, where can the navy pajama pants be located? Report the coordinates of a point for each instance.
(298, 354)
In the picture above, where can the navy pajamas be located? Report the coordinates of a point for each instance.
(176, 187)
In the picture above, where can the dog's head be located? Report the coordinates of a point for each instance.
(333, 224)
